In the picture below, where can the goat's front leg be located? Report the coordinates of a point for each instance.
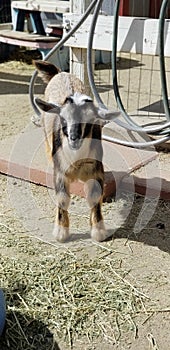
(94, 192)
(61, 227)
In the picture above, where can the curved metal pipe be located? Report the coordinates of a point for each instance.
(161, 58)
(114, 66)
(144, 129)
(138, 145)
(130, 125)
(134, 126)
(89, 55)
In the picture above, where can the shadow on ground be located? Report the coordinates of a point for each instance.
(122, 63)
(18, 84)
(24, 333)
(155, 233)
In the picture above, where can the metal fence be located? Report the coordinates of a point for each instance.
(144, 85)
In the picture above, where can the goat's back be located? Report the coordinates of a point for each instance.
(62, 86)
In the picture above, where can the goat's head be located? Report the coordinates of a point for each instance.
(77, 116)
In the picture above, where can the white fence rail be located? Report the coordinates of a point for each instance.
(136, 35)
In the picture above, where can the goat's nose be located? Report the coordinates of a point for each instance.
(73, 137)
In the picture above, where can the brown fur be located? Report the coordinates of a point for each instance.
(72, 165)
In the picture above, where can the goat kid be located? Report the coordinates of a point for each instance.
(72, 126)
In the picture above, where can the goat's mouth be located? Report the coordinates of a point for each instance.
(75, 145)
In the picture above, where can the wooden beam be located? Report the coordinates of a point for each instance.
(27, 40)
(78, 55)
(43, 6)
(137, 35)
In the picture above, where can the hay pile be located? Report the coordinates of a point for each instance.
(65, 294)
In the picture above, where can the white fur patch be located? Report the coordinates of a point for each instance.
(79, 99)
(73, 156)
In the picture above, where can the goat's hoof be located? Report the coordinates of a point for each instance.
(98, 232)
(61, 233)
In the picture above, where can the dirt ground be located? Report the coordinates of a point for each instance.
(142, 253)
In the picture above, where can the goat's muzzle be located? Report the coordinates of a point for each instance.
(75, 136)
(74, 144)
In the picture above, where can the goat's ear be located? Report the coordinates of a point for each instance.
(46, 69)
(107, 115)
(47, 106)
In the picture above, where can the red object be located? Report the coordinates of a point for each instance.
(124, 8)
(154, 9)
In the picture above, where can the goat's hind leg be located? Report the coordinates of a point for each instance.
(94, 190)
(61, 227)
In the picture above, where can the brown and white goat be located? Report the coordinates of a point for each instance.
(73, 127)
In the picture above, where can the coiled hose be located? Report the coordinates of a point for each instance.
(162, 130)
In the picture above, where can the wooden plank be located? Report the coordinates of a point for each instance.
(78, 6)
(78, 66)
(103, 32)
(27, 40)
(136, 35)
(43, 6)
(78, 55)
(5, 26)
(26, 36)
(24, 43)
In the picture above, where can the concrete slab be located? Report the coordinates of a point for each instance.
(23, 156)
(148, 183)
